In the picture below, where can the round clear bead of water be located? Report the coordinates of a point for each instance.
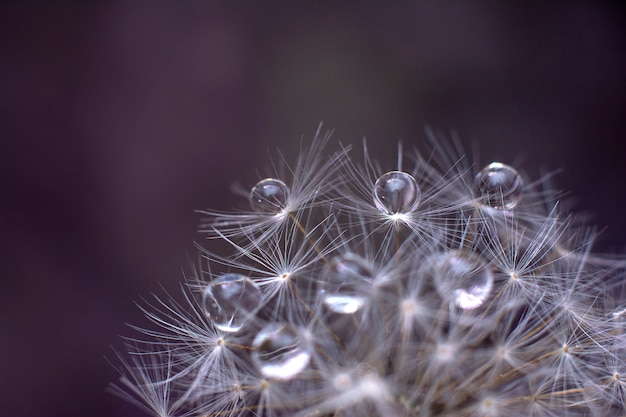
(269, 196)
(347, 281)
(498, 186)
(279, 352)
(231, 300)
(463, 279)
(396, 192)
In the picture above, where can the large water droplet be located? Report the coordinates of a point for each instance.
(230, 300)
(463, 278)
(499, 186)
(347, 281)
(279, 352)
(269, 196)
(396, 192)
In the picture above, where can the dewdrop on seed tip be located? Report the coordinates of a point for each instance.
(396, 192)
(498, 186)
(346, 281)
(279, 352)
(269, 196)
(230, 300)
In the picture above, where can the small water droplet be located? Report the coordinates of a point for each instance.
(396, 192)
(279, 352)
(347, 281)
(498, 186)
(269, 196)
(230, 300)
(463, 278)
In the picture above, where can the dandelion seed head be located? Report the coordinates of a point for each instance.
(351, 290)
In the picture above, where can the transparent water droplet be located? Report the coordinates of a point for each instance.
(396, 192)
(347, 281)
(230, 300)
(269, 196)
(498, 186)
(463, 278)
(279, 352)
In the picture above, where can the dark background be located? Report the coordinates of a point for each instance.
(117, 120)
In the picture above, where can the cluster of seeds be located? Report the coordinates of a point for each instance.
(351, 291)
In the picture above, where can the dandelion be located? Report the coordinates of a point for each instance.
(433, 287)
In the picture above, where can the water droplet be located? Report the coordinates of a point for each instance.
(230, 300)
(269, 196)
(347, 281)
(396, 192)
(463, 278)
(279, 352)
(498, 186)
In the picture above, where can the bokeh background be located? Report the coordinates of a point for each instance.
(118, 119)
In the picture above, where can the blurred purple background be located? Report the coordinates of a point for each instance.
(118, 120)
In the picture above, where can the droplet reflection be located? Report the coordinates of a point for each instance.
(498, 186)
(396, 192)
(279, 352)
(462, 278)
(346, 283)
(269, 196)
(230, 300)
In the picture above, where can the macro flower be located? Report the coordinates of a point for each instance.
(444, 289)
